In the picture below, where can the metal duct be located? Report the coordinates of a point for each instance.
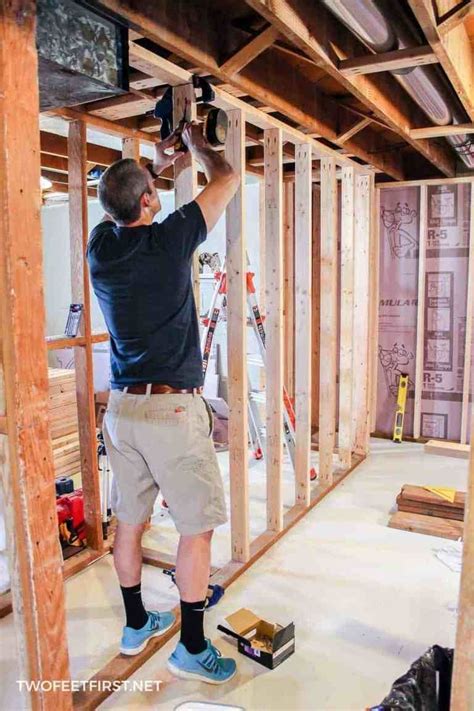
(368, 19)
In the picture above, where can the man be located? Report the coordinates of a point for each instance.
(157, 427)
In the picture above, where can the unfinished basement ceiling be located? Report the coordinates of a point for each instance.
(296, 74)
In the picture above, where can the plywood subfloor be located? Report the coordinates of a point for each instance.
(366, 600)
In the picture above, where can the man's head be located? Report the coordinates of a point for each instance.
(127, 193)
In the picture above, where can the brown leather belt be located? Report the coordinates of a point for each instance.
(160, 389)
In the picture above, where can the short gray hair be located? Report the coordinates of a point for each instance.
(121, 188)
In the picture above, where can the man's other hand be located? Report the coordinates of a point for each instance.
(193, 137)
(164, 155)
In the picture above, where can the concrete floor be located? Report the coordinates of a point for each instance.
(366, 600)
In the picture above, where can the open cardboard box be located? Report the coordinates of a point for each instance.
(267, 643)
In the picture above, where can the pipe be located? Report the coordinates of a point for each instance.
(368, 19)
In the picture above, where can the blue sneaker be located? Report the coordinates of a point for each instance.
(208, 666)
(135, 641)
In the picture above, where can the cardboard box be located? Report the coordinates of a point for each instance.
(267, 643)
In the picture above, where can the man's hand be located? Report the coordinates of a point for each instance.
(193, 137)
(164, 156)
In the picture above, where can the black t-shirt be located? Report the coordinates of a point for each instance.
(142, 279)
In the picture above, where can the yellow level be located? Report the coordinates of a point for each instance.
(400, 411)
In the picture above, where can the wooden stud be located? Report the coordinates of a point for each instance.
(236, 267)
(361, 314)
(131, 148)
(346, 370)
(455, 129)
(328, 316)
(249, 51)
(185, 173)
(374, 275)
(289, 287)
(463, 670)
(316, 291)
(303, 301)
(389, 61)
(26, 463)
(466, 383)
(420, 313)
(274, 325)
(80, 294)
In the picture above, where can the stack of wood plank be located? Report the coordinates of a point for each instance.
(63, 421)
(423, 511)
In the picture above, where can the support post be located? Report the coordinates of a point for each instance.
(420, 313)
(374, 305)
(236, 266)
(26, 461)
(80, 292)
(315, 320)
(131, 148)
(463, 670)
(289, 286)
(303, 331)
(466, 386)
(185, 171)
(361, 314)
(328, 316)
(274, 324)
(347, 317)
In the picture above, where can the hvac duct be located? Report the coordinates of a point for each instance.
(368, 19)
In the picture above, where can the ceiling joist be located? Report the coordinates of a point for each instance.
(453, 50)
(269, 78)
(323, 38)
(388, 61)
(250, 51)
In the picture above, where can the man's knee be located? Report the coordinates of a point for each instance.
(197, 537)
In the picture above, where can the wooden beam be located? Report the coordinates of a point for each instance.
(303, 317)
(236, 266)
(102, 124)
(289, 286)
(80, 294)
(324, 39)
(131, 148)
(429, 181)
(274, 325)
(438, 131)
(360, 403)
(374, 276)
(420, 312)
(328, 316)
(389, 61)
(260, 79)
(358, 126)
(185, 170)
(255, 46)
(463, 670)
(26, 461)
(315, 306)
(346, 366)
(453, 50)
(466, 382)
(455, 16)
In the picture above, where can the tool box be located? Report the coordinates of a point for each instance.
(267, 643)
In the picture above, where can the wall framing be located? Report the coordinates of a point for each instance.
(244, 550)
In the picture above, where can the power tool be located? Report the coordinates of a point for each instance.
(215, 120)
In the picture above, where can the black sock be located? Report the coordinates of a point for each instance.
(137, 616)
(192, 626)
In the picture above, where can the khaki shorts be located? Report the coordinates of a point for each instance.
(164, 442)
